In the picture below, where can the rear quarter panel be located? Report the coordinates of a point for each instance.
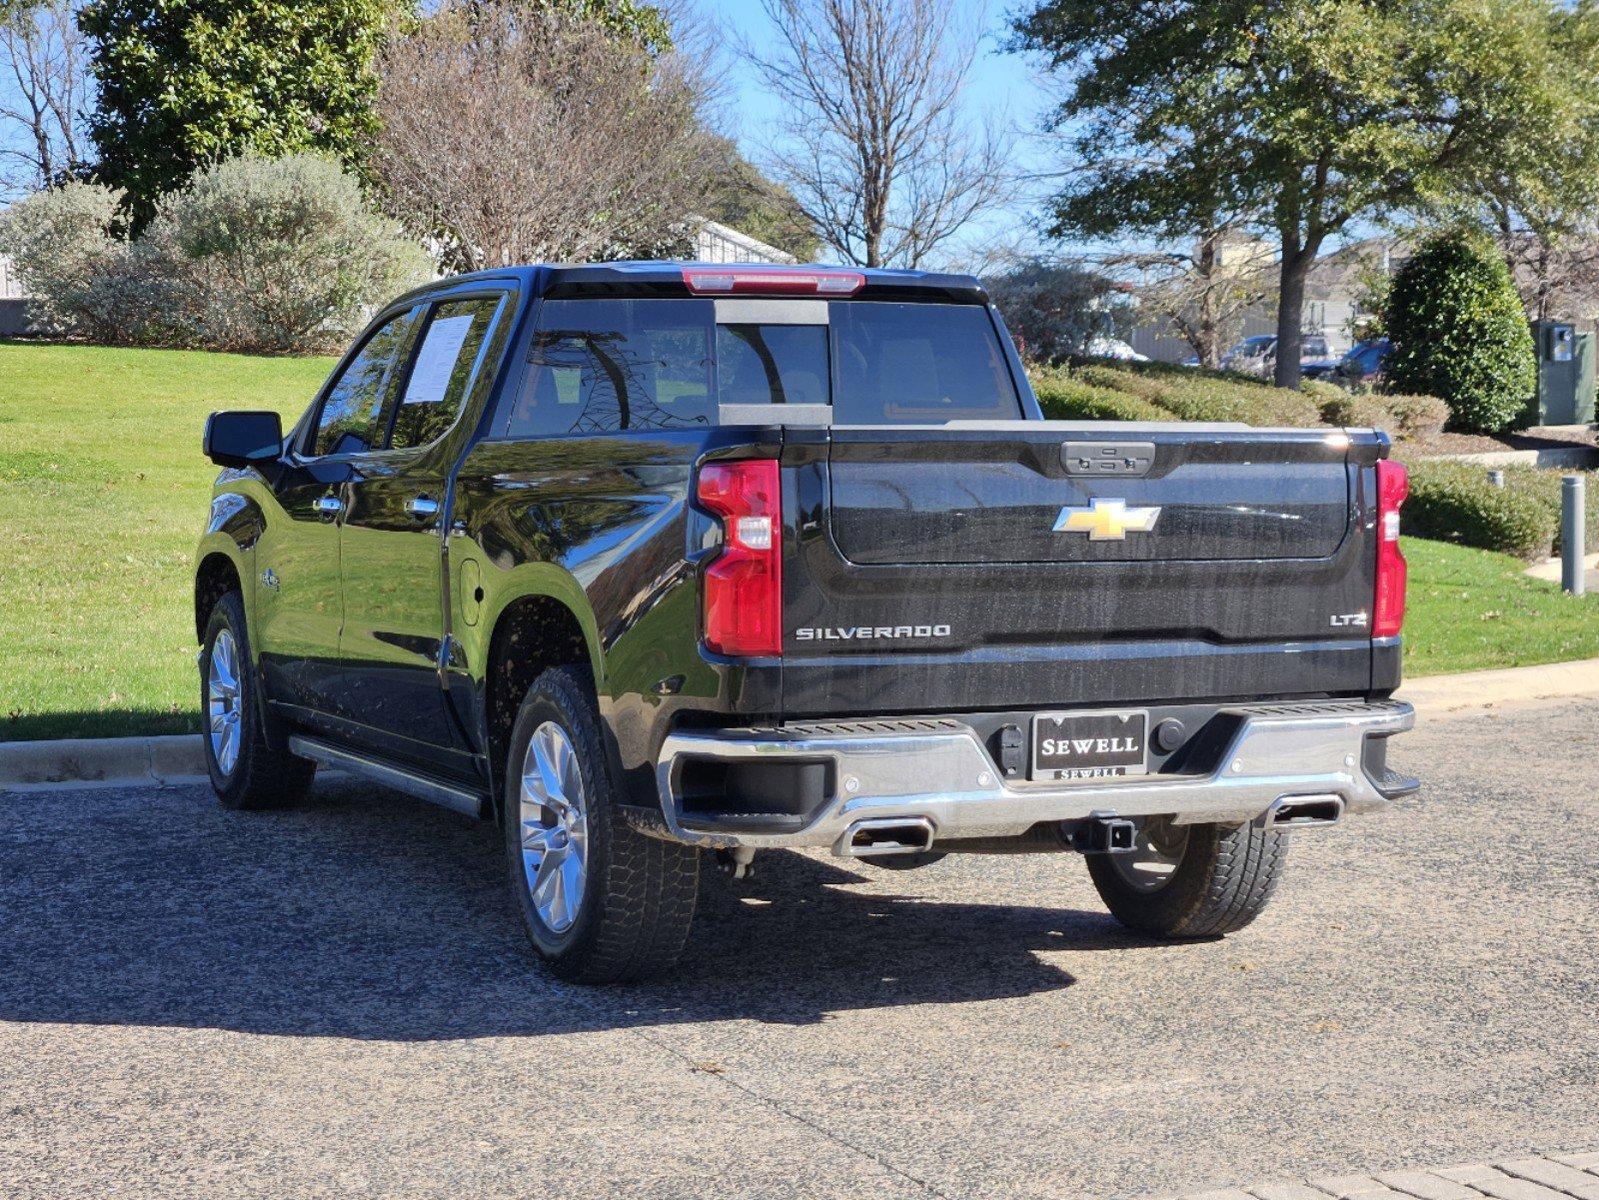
(601, 523)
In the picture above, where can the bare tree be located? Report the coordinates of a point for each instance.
(45, 93)
(873, 141)
(1553, 257)
(1204, 292)
(513, 133)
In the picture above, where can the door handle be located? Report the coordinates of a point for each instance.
(329, 506)
(422, 508)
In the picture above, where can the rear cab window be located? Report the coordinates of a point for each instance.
(918, 364)
(606, 365)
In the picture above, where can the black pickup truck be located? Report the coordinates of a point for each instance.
(644, 560)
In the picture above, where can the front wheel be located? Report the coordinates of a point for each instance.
(1186, 881)
(245, 771)
(601, 902)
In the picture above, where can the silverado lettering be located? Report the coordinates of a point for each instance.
(879, 632)
(542, 531)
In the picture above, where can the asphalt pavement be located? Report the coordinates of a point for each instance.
(336, 1000)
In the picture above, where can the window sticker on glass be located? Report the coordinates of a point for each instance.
(435, 361)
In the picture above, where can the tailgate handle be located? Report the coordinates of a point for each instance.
(1122, 460)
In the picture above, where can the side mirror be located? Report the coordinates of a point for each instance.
(243, 439)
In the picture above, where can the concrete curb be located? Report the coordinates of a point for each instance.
(1476, 691)
(102, 762)
(173, 761)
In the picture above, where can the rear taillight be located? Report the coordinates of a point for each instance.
(1393, 485)
(744, 585)
(771, 281)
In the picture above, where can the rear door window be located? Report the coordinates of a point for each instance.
(447, 361)
(918, 364)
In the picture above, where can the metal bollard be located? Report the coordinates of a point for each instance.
(1573, 543)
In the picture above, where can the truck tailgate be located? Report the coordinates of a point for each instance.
(1057, 563)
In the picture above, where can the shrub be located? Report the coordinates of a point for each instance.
(1321, 391)
(1063, 397)
(1454, 502)
(1544, 486)
(1418, 417)
(62, 247)
(1104, 375)
(277, 254)
(255, 254)
(1157, 391)
(1460, 333)
(1358, 412)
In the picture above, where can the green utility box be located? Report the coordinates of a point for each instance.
(1565, 374)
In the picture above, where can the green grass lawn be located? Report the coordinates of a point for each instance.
(1470, 610)
(103, 493)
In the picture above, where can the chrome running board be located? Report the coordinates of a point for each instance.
(446, 795)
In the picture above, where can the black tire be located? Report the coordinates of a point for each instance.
(259, 777)
(637, 900)
(1222, 882)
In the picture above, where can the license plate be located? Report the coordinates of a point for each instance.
(1093, 745)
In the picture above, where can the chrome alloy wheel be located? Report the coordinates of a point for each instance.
(224, 701)
(1156, 855)
(554, 827)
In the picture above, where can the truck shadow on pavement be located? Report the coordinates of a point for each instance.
(366, 915)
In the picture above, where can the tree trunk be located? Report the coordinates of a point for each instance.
(1291, 313)
(1209, 326)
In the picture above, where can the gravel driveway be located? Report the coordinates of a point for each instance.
(337, 1001)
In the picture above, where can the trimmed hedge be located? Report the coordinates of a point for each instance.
(1065, 398)
(1122, 391)
(1191, 395)
(1454, 502)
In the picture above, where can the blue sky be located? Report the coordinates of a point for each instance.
(1003, 87)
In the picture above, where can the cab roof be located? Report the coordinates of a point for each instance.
(673, 278)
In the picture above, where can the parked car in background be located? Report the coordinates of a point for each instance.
(1258, 355)
(1363, 365)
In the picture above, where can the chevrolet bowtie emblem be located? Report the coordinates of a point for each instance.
(1106, 520)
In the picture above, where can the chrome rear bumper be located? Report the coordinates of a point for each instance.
(939, 771)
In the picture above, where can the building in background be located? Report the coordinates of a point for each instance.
(13, 302)
(714, 243)
(1333, 302)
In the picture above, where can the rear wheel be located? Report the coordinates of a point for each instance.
(245, 771)
(1191, 880)
(600, 902)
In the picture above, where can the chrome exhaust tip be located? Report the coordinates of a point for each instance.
(1303, 812)
(885, 835)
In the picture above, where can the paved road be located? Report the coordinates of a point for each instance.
(335, 1001)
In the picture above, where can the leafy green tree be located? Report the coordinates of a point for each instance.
(190, 82)
(1460, 333)
(644, 24)
(743, 198)
(1309, 114)
(1538, 194)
